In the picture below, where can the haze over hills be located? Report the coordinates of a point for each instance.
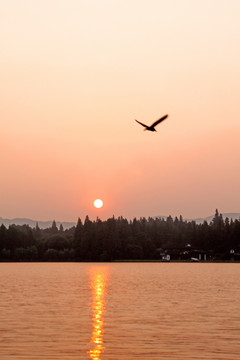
(233, 216)
(32, 223)
(68, 225)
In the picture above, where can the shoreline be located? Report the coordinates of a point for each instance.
(127, 261)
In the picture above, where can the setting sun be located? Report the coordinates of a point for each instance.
(98, 203)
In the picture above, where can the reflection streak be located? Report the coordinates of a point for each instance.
(98, 279)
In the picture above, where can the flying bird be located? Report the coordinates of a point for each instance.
(152, 127)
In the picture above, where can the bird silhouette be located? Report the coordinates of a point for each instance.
(152, 127)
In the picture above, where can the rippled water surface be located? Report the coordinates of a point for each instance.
(119, 311)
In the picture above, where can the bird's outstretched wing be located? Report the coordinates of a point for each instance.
(159, 120)
(140, 123)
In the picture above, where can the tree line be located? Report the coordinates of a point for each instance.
(120, 239)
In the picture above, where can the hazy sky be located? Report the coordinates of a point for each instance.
(74, 74)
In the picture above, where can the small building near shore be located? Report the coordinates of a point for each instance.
(185, 254)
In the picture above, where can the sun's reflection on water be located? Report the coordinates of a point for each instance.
(98, 283)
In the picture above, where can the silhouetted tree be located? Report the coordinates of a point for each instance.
(77, 242)
(54, 227)
(3, 232)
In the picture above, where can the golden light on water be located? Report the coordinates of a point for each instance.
(98, 286)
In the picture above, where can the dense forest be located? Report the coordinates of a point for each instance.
(120, 239)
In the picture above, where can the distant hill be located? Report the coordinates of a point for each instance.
(32, 223)
(68, 225)
(233, 216)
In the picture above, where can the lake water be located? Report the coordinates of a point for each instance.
(119, 311)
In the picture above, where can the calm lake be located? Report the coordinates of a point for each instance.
(119, 311)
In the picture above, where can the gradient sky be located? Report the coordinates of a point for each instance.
(74, 76)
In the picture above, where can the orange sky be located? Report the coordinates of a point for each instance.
(74, 76)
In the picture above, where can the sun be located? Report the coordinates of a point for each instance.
(98, 203)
